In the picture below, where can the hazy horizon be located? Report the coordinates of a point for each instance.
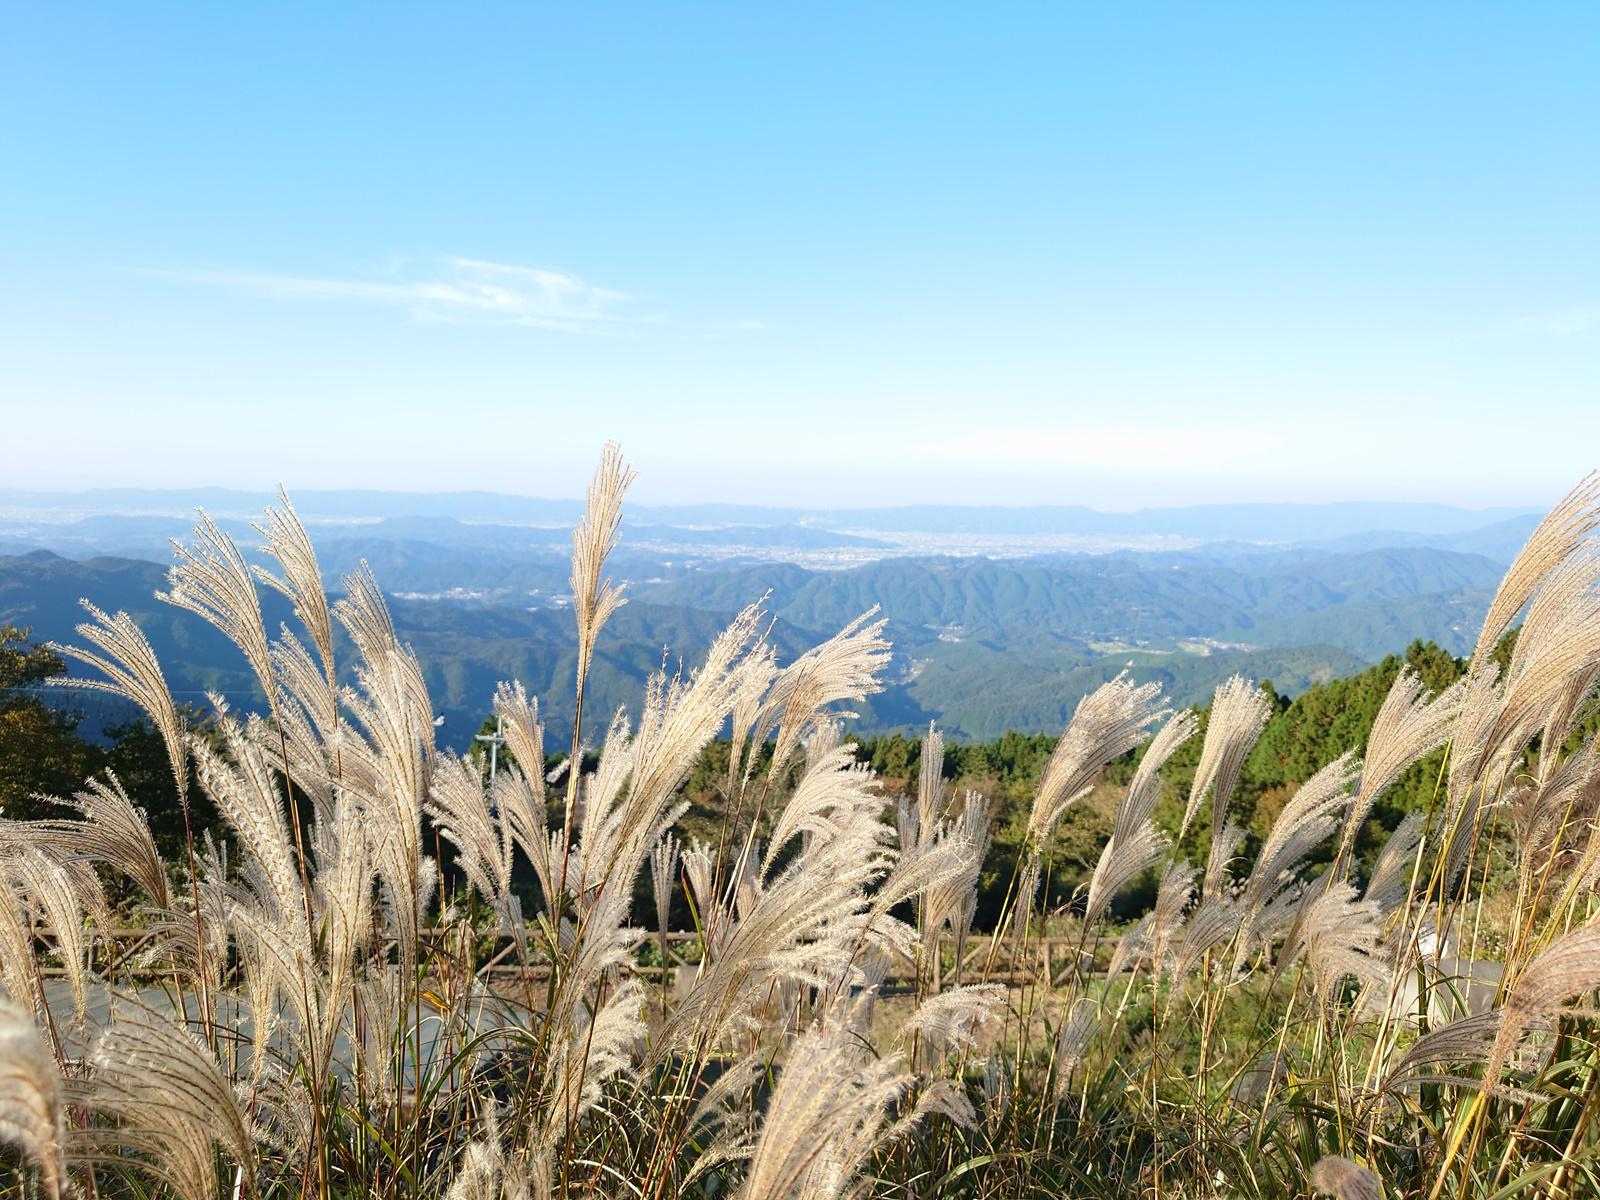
(172, 493)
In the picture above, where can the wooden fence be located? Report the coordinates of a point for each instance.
(1040, 959)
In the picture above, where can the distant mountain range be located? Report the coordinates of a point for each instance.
(999, 618)
(980, 646)
(1219, 522)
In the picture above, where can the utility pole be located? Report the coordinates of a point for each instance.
(495, 741)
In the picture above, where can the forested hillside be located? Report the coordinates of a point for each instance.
(42, 752)
(1302, 735)
(1126, 596)
(981, 646)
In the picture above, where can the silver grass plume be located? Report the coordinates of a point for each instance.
(905, 823)
(519, 791)
(698, 863)
(826, 737)
(283, 1119)
(725, 1099)
(1027, 892)
(1279, 919)
(487, 1172)
(196, 942)
(600, 809)
(1575, 692)
(1122, 860)
(843, 668)
(996, 1089)
(1225, 845)
(309, 747)
(164, 1146)
(377, 1025)
(1585, 875)
(946, 861)
(1557, 653)
(46, 886)
(1144, 791)
(594, 599)
(1136, 845)
(1310, 817)
(955, 1021)
(1568, 967)
(756, 674)
(133, 672)
(1343, 1179)
(168, 1094)
(594, 1050)
(663, 874)
(391, 704)
(30, 1099)
(524, 734)
(930, 780)
(306, 682)
(1239, 711)
(1080, 1022)
(288, 542)
(113, 832)
(19, 967)
(63, 852)
(1166, 918)
(834, 787)
(245, 792)
(478, 1174)
(1338, 935)
(597, 951)
(952, 900)
(678, 720)
(1213, 923)
(825, 1116)
(1471, 774)
(1108, 722)
(212, 580)
(1559, 643)
(1558, 810)
(724, 1117)
(1390, 881)
(1469, 1039)
(343, 885)
(1407, 727)
(943, 1097)
(1133, 945)
(276, 969)
(806, 926)
(618, 830)
(460, 812)
(1561, 531)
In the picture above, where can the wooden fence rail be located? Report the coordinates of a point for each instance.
(1039, 959)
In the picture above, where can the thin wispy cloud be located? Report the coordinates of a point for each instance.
(457, 289)
(1152, 446)
(1564, 322)
(730, 329)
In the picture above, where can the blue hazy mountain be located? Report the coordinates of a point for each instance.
(1246, 522)
(980, 645)
(999, 619)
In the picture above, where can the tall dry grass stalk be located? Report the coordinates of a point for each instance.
(318, 1008)
(31, 1110)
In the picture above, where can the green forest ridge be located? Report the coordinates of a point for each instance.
(43, 753)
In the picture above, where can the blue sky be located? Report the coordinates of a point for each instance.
(1105, 254)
